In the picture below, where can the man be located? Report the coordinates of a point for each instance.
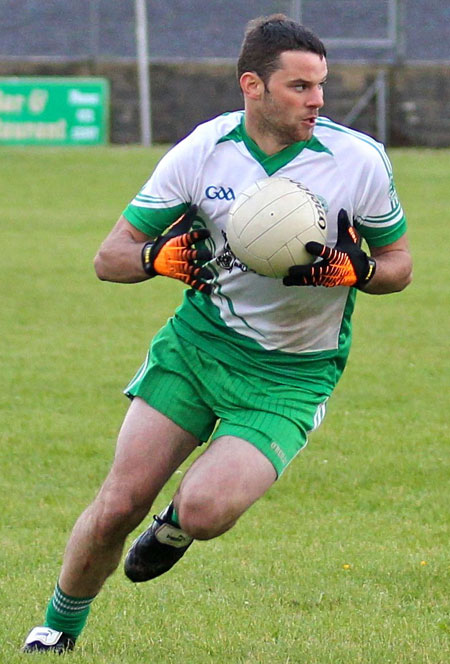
(246, 362)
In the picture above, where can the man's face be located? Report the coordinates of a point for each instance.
(293, 96)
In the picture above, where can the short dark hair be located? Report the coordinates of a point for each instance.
(267, 37)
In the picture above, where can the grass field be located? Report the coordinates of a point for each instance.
(345, 561)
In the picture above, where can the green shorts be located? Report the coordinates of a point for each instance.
(210, 399)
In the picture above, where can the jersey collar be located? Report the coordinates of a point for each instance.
(273, 162)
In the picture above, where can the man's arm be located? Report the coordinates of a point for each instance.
(119, 257)
(127, 255)
(387, 270)
(394, 268)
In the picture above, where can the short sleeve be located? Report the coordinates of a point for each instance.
(165, 195)
(379, 217)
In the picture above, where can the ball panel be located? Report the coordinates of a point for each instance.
(261, 214)
(257, 264)
(298, 252)
(282, 257)
(270, 222)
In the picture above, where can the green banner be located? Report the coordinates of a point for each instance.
(54, 111)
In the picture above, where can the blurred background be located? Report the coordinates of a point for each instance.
(354, 566)
(163, 66)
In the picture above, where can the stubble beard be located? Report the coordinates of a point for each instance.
(284, 134)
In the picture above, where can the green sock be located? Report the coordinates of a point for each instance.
(67, 614)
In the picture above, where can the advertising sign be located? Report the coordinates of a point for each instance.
(54, 111)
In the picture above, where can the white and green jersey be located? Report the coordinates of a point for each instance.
(256, 321)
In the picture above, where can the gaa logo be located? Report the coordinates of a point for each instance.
(222, 193)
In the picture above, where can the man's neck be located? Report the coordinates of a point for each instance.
(267, 142)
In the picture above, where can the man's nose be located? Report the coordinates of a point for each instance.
(316, 97)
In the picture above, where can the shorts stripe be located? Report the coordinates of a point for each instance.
(141, 372)
(319, 415)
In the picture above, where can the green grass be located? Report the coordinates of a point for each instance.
(329, 567)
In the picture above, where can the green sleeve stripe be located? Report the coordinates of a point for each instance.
(144, 198)
(380, 237)
(152, 221)
(390, 219)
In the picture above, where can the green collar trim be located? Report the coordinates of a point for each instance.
(272, 162)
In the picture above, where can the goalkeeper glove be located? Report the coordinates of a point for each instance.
(345, 265)
(172, 255)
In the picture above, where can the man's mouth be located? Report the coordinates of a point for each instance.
(310, 121)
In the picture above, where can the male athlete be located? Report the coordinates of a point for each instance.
(246, 362)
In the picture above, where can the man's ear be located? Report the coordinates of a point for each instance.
(252, 85)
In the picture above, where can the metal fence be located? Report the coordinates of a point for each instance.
(45, 37)
(380, 31)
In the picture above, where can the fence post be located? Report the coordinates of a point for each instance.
(143, 71)
(381, 105)
(378, 91)
(296, 10)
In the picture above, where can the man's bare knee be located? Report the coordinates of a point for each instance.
(113, 518)
(202, 517)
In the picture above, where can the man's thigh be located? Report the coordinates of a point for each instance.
(150, 448)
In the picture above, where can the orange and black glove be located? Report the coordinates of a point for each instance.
(172, 254)
(344, 265)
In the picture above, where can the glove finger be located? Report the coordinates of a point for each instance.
(196, 281)
(202, 254)
(189, 216)
(297, 274)
(191, 255)
(183, 223)
(196, 284)
(197, 235)
(201, 286)
(345, 229)
(299, 270)
(325, 253)
(202, 273)
(297, 281)
(190, 273)
(316, 249)
(343, 219)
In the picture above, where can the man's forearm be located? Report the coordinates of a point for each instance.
(119, 260)
(393, 273)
